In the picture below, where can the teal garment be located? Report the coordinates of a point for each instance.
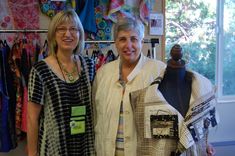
(86, 12)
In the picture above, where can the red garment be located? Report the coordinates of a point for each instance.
(100, 61)
(25, 14)
(18, 107)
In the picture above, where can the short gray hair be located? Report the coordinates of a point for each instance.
(125, 24)
(64, 17)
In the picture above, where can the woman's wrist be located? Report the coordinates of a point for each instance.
(33, 153)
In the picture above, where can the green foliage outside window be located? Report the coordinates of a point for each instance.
(191, 23)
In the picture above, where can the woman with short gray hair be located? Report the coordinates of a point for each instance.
(115, 131)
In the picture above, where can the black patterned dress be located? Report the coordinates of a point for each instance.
(57, 98)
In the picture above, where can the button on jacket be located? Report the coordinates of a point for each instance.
(107, 97)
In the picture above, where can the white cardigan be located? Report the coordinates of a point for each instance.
(107, 96)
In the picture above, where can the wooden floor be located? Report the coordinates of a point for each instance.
(19, 151)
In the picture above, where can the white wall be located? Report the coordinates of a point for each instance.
(225, 132)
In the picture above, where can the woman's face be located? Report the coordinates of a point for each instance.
(67, 37)
(129, 45)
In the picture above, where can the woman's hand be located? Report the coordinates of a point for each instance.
(210, 150)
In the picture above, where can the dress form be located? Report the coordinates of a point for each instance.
(176, 84)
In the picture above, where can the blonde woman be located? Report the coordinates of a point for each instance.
(59, 109)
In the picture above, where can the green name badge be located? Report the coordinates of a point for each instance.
(78, 110)
(77, 127)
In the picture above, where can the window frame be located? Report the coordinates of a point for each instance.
(219, 57)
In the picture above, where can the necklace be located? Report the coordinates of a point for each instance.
(70, 75)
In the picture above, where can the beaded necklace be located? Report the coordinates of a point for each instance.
(64, 71)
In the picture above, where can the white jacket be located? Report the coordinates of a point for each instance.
(107, 96)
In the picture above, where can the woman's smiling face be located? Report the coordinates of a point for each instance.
(67, 36)
(129, 46)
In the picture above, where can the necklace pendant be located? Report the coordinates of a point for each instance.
(71, 78)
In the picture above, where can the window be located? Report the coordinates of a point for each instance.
(206, 33)
(226, 49)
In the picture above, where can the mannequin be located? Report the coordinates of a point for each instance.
(176, 84)
(160, 112)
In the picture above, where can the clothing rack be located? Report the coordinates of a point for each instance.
(156, 40)
(153, 41)
(24, 31)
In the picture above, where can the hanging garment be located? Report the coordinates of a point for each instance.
(114, 6)
(144, 11)
(50, 8)
(100, 61)
(25, 65)
(110, 56)
(36, 54)
(86, 13)
(19, 103)
(12, 96)
(25, 14)
(104, 26)
(16, 66)
(24, 109)
(103, 4)
(7, 127)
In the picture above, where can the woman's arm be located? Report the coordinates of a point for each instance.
(32, 128)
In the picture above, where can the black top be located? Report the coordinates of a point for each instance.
(57, 98)
(176, 88)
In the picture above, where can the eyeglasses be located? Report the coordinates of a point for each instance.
(63, 30)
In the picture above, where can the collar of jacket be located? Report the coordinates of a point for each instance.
(142, 61)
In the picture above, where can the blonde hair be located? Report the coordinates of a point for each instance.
(65, 16)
